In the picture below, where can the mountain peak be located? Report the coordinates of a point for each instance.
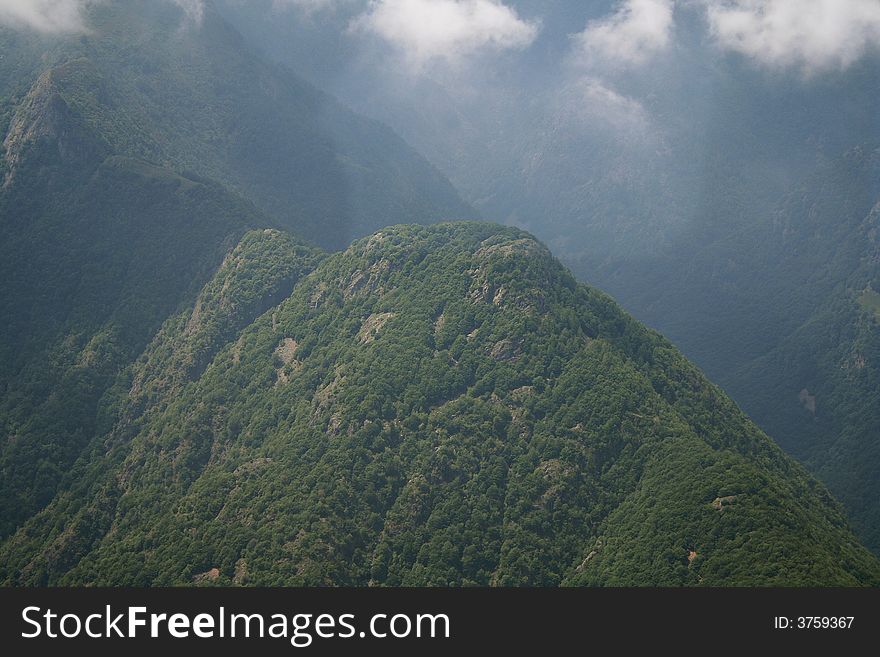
(434, 405)
(44, 117)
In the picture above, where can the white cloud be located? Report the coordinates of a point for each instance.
(446, 29)
(634, 33)
(54, 16)
(66, 16)
(638, 30)
(812, 35)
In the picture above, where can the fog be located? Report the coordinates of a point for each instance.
(52, 16)
(69, 16)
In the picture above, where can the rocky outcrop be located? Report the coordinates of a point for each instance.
(44, 118)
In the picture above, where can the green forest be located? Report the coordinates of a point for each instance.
(433, 406)
(251, 337)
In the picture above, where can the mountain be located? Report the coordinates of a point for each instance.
(134, 157)
(823, 370)
(725, 197)
(440, 405)
(154, 85)
(779, 313)
(191, 392)
(89, 271)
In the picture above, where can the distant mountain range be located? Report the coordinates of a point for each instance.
(727, 200)
(206, 382)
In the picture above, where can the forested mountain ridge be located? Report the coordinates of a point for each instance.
(779, 314)
(824, 367)
(435, 405)
(190, 393)
(134, 156)
(711, 165)
(153, 86)
(93, 260)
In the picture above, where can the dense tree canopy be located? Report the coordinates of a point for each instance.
(433, 406)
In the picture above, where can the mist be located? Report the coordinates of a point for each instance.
(50, 16)
(193, 295)
(645, 141)
(69, 16)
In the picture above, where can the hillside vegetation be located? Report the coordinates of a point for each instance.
(434, 406)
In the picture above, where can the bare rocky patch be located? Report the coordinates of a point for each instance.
(371, 328)
(721, 503)
(807, 400)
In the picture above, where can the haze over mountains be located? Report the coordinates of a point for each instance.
(135, 156)
(712, 165)
(203, 382)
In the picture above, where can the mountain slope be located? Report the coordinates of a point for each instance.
(97, 251)
(817, 389)
(193, 97)
(721, 201)
(134, 157)
(436, 405)
(779, 314)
